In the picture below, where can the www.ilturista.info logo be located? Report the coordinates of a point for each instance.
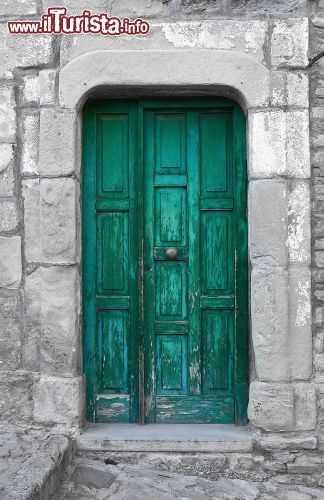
(56, 21)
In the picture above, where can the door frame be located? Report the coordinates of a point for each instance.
(241, 333)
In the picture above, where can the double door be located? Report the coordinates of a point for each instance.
(165, 261)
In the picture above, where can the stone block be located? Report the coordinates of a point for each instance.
(269, 313)
(10, 338)
(30, 140)
(23, 51)
(279, 442)
(298, 154)
(317, 112)
(18, 7)
(318, 342)
(319, 258)
(289, 43)
(7, 115)
(300, 324)
(8, 215)
(16, 389)
(268, 223)
(6, 170)
(10, 262)
(267, 144)
(271, 406)
(30, 90)
(74, 7)
(264, 7)
(306, 464)
(32, 326)
(305, 407)
(47, 80)
(318, 159)
(92, 477)
(243, 36)
(299, 237)
(317, 140)
(58, 400)
(57, 148)
(278, 88)
(60, 343)
(32, 217)
(50, 220)
(297, 89)
(319, 362)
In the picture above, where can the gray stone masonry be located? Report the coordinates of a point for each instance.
(255, 51)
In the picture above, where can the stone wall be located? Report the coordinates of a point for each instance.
(42, 85)
(317, 158)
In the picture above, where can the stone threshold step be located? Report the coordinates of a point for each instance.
(202, 438)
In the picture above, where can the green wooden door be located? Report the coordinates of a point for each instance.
(165, 261)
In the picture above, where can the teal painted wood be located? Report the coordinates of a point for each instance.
(89, 261)
(194, 251)
(241, 281)
(110, 247)
(195, 409)
(187, 322)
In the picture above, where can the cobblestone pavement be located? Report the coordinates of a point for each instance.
(89, 478)
(31, 462)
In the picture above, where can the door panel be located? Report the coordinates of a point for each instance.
(205, 258)
(165, 336)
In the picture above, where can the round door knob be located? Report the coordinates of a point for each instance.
(171, 253)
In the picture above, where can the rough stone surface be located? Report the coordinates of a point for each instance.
(32, 326)
(32, 462)
(299, 228)
(50, 225)
(8, 215)
(269, 311)
(10, 337)
(23, 51)
(264, 6)
(267, 143)
(47, 80)
(300, 332)
(289, 43)
(168, 477)
(18, 7)
(298, 160)
(53, 311)
(30, 90)
(271, 406)
(297, 89)
(7, 114)
(305, 407)
(6, 170)
(16, 402)
(56, 146)
(279, 442)
(10, 262)
(30, 138)
(268, 223)
(58, 400)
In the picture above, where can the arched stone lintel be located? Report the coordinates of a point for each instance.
(248, 78)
